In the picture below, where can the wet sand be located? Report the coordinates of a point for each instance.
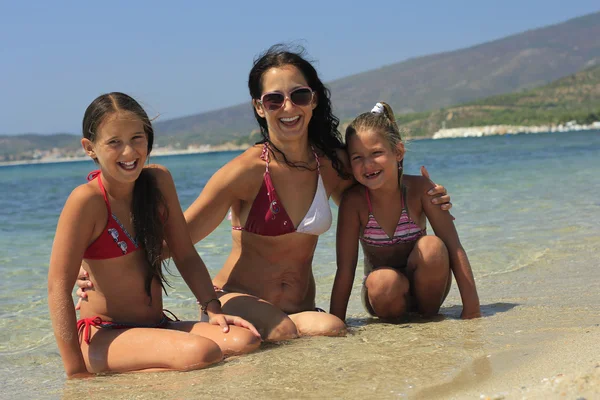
(538, 339)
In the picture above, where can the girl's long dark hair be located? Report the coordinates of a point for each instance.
(323, 127)
(149, 210)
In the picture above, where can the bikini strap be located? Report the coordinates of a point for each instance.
(316, 158)
(265, 155)
(368, 201)
(93, 175)
(85, 324)
(402, 197)
(96, 174)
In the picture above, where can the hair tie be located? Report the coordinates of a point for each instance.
(378, 109)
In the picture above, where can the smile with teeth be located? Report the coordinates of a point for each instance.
(289, 120)
(372, 174)
(128, 165)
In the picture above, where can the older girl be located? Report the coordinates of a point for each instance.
(116, 224)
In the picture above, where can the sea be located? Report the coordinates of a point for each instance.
(520, 201)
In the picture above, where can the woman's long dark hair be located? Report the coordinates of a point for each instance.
(323, 127)
(149, 210)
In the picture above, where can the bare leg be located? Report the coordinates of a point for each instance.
(236, 341)
(387, 293)
(429, 266)
(135, 349)
(314, 323)
(272, 323)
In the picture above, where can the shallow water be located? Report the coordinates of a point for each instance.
(527, 211)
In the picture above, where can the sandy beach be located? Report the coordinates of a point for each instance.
(538, 339)
(531, 235)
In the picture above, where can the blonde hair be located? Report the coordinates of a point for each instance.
(384, 123)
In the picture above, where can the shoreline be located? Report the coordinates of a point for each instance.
(491, 130)
(449, 133)
(158, 152)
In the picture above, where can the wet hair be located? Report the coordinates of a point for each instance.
(384, 123)
(149, 210)
(323, 130)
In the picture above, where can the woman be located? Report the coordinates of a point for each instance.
(278, 192)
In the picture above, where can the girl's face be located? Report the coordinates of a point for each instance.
(373, 160)
(121, 146)
(291, 120)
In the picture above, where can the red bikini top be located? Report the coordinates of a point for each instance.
(267, 216)
(114, 241)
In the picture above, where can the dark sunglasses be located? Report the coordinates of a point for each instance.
(301, 97)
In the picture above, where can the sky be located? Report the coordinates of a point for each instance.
(185, 57)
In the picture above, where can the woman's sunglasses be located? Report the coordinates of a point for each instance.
(301, 97)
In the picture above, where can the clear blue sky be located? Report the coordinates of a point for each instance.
(183, 57)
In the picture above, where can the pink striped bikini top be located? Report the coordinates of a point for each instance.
(406, 230)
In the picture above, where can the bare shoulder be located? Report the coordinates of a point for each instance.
(417, 184)
(354, 198)
(334, 183)
(87, 199)
(244, 172)
(158, 171)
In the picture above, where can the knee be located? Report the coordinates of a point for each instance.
(196, 353)
(388, 292)
(429, 252)
(321, 324)
(285, 329)
(239, 341)
(333, 326)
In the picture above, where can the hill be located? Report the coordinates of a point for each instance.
(414, 87)
(517, 62)
(576, 97)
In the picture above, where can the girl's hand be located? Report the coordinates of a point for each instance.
(225, 320)
(83, 283)
(470, 313)
(80, 375)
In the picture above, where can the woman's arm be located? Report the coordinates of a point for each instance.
(348, 228)
(444, 228)
(186, 258)
(73, 234)
(211, 206)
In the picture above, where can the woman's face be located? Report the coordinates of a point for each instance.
(289, 122)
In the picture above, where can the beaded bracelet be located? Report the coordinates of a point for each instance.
(205, 305)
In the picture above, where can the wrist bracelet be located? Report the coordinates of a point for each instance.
(205, 305)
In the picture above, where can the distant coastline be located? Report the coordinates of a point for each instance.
(157, 152)
(490, 130)
(450, 133)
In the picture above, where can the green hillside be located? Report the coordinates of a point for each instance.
(576, 97)
(507, 69)
(522, 61)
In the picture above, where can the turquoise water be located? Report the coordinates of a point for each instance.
(518, 199)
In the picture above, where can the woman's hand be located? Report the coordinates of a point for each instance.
(225, 320)
(439, 192)
(83, 283)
